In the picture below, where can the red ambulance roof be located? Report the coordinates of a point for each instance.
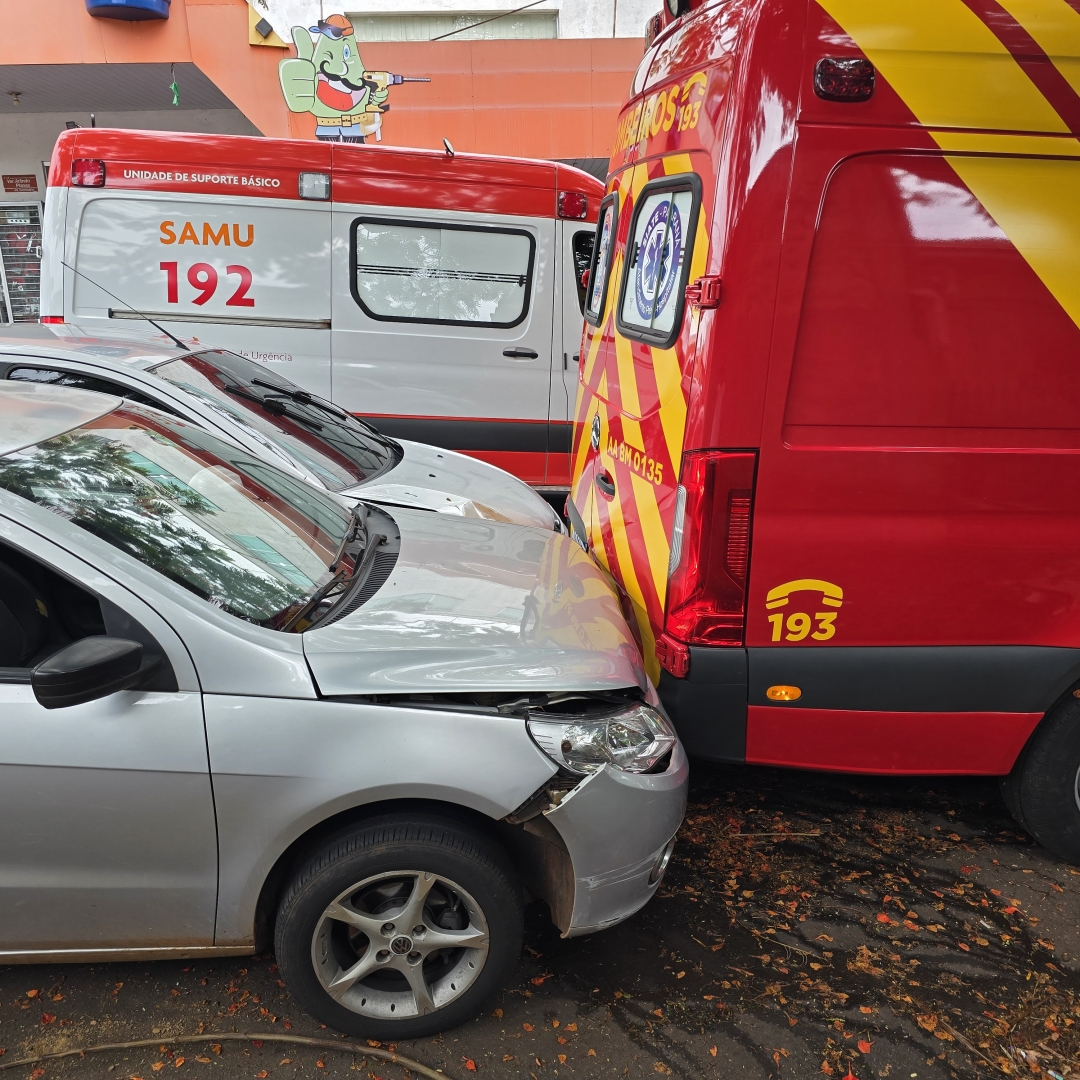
(270, 168)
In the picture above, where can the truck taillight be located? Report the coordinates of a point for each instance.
(710, 556)
(88, 172)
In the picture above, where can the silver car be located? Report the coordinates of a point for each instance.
(236, 709)
(273, 418)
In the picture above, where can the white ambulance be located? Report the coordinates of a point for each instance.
(437, 295)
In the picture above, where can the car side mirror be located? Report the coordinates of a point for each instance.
(88, 669)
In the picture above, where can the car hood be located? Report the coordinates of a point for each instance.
(428, 478)
(477, 605)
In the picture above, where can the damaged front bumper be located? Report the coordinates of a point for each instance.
(599, 850)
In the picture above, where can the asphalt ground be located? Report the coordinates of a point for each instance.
(809, 925)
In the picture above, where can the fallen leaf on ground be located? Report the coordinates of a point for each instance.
(865, 1046)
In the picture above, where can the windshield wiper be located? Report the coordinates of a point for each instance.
(327, 406)
(356, 533)
(275, 408)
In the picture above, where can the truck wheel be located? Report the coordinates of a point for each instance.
(400, 929)
(1043, 789)
(1010, 790)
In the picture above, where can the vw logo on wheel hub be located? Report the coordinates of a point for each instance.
(401, 945)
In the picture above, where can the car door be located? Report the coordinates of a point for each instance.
(109, 838)
(442, 329)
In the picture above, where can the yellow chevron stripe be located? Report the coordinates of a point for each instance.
(626, 563)
(1035, 202)
(630, 404)
(656, 548)
(946, 64)
(984, 143)
(1055, 26)
(668, 377)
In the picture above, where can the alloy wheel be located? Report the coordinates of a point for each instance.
(400, 944)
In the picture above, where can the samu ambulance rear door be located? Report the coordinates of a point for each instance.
(226, 255)
(443, 302)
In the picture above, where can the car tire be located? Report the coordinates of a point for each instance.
(1043, 789)
(423, 915)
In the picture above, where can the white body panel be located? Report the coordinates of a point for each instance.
(124, 238)
(433, 369)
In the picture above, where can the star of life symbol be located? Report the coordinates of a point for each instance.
(659, 257)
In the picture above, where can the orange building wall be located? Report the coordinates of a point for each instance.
(552, 99)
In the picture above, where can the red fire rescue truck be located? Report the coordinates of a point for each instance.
(437, 294)
(828, 423)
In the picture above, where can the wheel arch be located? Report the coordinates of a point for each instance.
(530, 863)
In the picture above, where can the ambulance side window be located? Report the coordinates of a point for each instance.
(426, 272)
(600, 262)
(657, 260)
(581, 244)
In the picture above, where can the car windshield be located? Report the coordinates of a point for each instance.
(301, 427)
(241, 534)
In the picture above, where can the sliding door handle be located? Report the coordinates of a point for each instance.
(606, 485)
(521, 354)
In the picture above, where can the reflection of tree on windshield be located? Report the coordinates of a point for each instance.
(101, 487)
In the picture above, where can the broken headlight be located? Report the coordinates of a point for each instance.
(634, 740)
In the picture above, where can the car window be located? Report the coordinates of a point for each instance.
(410, 271)
(657, 261)
(300, 427)
(600, 259)
(243, 536)
(84, 382)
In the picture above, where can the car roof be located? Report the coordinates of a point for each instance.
(33, 412)
(67, 341)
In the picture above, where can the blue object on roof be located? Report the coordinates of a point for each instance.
(130, 10)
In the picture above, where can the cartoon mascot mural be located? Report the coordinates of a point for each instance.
(327, 79)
